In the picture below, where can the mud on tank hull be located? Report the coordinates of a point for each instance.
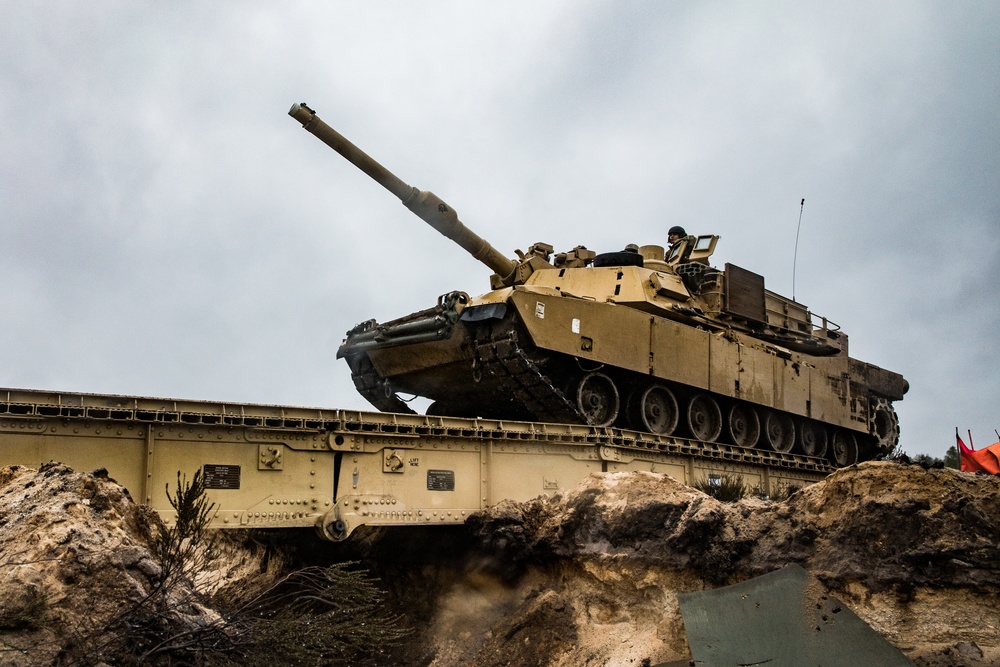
(533, 354)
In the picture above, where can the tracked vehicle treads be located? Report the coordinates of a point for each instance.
(644, 339)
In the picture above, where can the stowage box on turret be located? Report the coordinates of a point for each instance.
(643, 339)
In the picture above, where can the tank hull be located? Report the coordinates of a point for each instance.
(529, 352)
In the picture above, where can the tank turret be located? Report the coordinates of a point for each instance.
(643, 338)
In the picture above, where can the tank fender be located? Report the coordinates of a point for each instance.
(881, 381)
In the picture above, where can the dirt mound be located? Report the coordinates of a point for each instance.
(881, 525)
(75, 558)
(914, 552)
(88, 577)
(588, 577)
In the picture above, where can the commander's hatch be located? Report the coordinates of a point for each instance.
(698, 250)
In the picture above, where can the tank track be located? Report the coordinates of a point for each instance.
(375, 388)
(516, 375)
(507, 366)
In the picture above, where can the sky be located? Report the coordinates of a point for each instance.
(169, 231)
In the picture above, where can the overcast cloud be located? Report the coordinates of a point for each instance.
(169, 231)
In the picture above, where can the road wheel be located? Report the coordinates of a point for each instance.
(704, 418)
(658, 411)
(779, 432)
(597, 399)
(845, 449)
(744, 425)
(812, 438)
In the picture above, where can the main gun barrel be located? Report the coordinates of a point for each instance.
(428, 206)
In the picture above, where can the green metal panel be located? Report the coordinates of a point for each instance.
(780, 619)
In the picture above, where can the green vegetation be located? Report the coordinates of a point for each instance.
(182, 547)
(726, 488)
(730, 488)
(950, 460)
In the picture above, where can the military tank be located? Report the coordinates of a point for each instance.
(645, 338)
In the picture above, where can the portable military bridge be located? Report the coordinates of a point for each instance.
(268, 466)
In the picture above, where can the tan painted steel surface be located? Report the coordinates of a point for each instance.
(278, 466)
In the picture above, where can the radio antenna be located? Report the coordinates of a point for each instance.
(795, 256)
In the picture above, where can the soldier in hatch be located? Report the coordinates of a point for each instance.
(675, 235)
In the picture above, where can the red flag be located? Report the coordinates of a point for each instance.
(961, 445)
(985, 460)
